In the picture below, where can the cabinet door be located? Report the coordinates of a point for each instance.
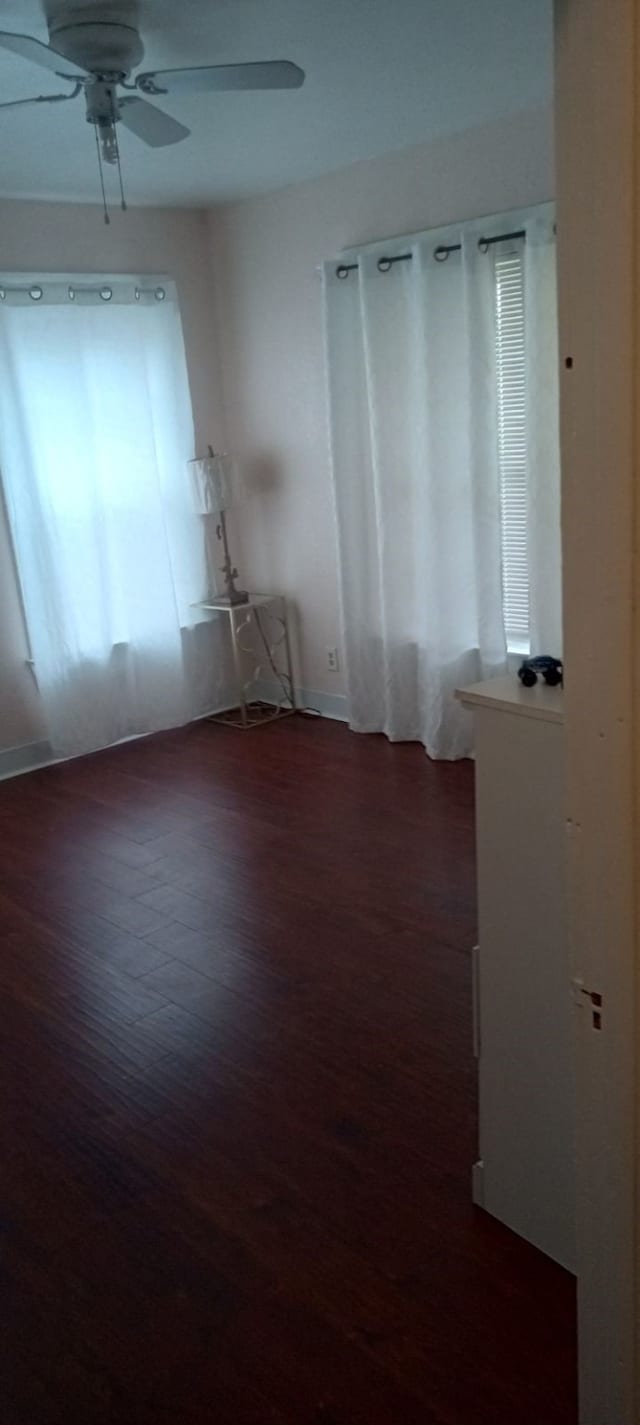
(527, 1113)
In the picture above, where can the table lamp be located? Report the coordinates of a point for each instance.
(215, 487)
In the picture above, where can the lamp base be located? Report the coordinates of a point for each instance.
(255, 714)
(238, 596)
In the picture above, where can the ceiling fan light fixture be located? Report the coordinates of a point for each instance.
(108, 143)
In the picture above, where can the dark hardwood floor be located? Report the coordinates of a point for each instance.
(238, 1099)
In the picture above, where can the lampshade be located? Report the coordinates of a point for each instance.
(215, 483)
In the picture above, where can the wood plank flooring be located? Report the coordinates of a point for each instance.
(238, 1101)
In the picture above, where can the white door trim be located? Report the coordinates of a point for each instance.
(597, 167)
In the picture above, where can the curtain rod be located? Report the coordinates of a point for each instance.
(441, 253)
(12, 294)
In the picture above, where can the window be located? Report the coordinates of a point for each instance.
(512, 446)
(95, 433)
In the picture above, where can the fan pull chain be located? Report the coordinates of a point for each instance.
(114, 118)
(123, 203)
(104, 196)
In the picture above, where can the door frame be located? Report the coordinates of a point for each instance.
(597, 56)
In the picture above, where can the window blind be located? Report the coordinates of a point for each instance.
(512, 445)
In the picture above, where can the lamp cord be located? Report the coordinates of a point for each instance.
(288, 692)
(282, 678)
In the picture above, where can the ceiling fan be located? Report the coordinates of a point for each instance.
(98, 57)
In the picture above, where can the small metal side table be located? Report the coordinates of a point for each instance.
(261, 649)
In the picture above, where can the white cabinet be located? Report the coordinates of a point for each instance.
(522, 983)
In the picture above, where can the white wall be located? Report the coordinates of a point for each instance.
(265, 252)
(45, 237)
(266, 324)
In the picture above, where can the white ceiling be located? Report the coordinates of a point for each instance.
(381, 75)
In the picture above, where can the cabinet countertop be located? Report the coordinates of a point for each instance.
(507, 695)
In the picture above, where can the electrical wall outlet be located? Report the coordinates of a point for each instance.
(333, 662)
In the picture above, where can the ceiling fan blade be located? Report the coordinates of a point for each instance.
(214, 78)
(37, 53)
(152, 125)
(41, 99)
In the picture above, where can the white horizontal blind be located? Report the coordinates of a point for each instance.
(512, 451)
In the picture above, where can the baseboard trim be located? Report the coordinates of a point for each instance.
(26, 758)
(333, 705)
(15, 760)
(477, 1183)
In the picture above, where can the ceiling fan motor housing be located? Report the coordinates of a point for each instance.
(100, 47)
(102, 102)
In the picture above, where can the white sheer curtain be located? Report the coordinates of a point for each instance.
(411, 362)
(95, 433)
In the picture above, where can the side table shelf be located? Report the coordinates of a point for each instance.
(260, 645)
